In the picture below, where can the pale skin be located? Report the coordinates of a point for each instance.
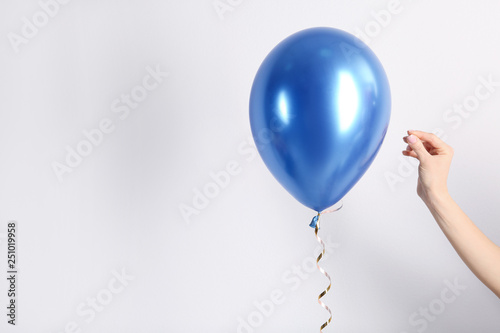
(478, 252)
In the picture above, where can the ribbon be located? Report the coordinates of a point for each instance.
(315, 224)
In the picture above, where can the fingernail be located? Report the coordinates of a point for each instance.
(412, 138)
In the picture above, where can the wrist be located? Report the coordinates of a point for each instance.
(436, 198)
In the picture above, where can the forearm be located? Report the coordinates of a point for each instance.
(478, 252)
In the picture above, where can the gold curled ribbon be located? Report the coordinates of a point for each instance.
(323, 293)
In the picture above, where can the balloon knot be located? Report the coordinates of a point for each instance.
(314, 221)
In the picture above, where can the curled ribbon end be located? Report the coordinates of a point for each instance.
(315, 224)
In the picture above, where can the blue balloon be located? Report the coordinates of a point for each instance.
(319, 110)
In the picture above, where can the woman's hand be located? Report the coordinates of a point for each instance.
(477, 251)
(435, 158)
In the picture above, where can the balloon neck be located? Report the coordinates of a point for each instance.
(315, 219)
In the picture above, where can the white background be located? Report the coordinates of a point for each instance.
(119, 209)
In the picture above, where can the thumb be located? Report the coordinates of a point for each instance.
(417, 146)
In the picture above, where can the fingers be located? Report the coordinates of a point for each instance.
(417, 148)
(410, 153)
(431, 138)
(427, 146)
(424, 144)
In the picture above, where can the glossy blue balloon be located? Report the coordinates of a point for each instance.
(319, 109)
